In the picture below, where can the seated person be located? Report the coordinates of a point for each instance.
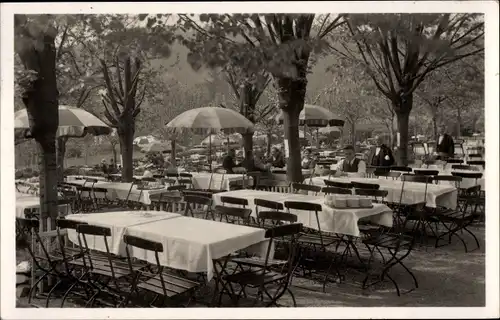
(252, 162)
(308, 161)
(229, 163)
(276, 159)
(104, 167)
(350, 164)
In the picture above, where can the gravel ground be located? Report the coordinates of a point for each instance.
(447, 277)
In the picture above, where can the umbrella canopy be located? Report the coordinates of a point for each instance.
(210, 120)
(327, 130)
(220, 140)
(73, 122)
(160, 146)
(315, 116)
(144, 140)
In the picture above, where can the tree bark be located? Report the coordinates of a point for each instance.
(459, 122)
(353, 133)
(172, 152)
(291, 124)
(268, 149)
(403, 123)
(126, 136)
(435, 127)
(61, 152)
(248, 146)
(115, 156)
(48, 176)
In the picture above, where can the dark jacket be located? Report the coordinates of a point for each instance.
(446, 146)
(279, 162)
(380, 159)
(351, 168)
(228, 164)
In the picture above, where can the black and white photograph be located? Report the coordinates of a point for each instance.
(200, 155)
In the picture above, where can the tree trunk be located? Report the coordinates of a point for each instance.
(115, 156)
(126, 136)
(48, 176)
(248, 146)
(459, 122)
(353, 134)
(60, 151)
(268, 149)
(403, 123)
(172, 152)
(291, 125)
(435, 128)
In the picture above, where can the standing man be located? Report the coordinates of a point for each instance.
(445, 146)
(381, 154)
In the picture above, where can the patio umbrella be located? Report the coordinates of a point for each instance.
(210, 120)
(160, 146)
(73, 122)
(315, 116)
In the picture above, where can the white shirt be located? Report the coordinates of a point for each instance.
(377, 151)
(361, 166)
(440, 139)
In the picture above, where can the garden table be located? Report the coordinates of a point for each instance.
(342, 221)
(442, 195)
(29, 202)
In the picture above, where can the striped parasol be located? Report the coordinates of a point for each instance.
(315, 116)
(210, 120)
(73, 122)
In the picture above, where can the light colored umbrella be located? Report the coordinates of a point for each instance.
(210, 120)
(315, 116)
(160, 146)
(73, 122)
(327, 130)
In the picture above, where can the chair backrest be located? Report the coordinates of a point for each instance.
(142, 243)
(307, 206)
(85, 230)
(268, 204)
(158, 176)
(387, 174)
(200, 193)
(463, 167)
(477, 163)
(401, 168)
(336, 190)
(426, 172)
(448, 178)
(278, 171)
(185, 175)
(276, 217)
(344, 185)
(467, 175)
(305, 187)
(27, 235)
(233, 212)
(197, 199)
(456, 161)
(233, 200)
(220, 170)
(179, 187)
(172, 175)
(417, 178)
(362, 185)
(377, 195)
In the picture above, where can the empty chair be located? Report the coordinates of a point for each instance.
(417, 178)
(160, 282)
(401, 168)
(455, 161)
(464, 167)
(270, 213)
(391, 174)
(344, 185)
(171, 178)
(198, 205)
(426, 172)
(376, 195)
(362, 185)
(336, 190)
(306, 188)
(233, 214)
(234, 201)
(477, 163)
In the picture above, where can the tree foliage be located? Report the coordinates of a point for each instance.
(400, 50)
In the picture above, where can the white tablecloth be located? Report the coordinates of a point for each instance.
(344, 221)
(28, 201)
(120, 190)
(191, 244)
(443, 195)
(201, 180)
(118, 222)
(77, 177)
(466, 182)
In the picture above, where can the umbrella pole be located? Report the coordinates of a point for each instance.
(210, 151)
(317, 137)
